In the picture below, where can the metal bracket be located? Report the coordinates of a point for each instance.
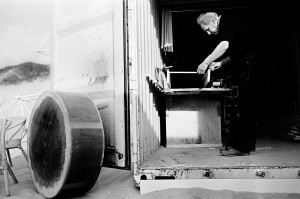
(260, 173)
(120, 155)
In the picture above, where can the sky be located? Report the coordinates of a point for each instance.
(24, 25)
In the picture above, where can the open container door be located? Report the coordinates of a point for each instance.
(87, 56)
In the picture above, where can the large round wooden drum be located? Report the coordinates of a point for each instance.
(65, 144)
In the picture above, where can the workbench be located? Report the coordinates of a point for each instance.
(194, 116)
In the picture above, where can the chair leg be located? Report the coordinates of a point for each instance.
(7, 189)
(24, 153)
(12, 174)
(6, 181)
(9, 158)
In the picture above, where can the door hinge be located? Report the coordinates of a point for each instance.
(208, 173)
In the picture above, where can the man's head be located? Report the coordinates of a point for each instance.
(209, 22)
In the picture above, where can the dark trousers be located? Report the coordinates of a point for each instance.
(242, 136)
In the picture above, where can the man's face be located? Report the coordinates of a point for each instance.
(211, 28)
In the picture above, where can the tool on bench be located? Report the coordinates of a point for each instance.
(206, 79)
(162, 75)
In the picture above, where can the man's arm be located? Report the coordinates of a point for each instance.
(218, 52)
(216, 65)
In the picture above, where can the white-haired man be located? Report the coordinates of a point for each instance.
(230, 61)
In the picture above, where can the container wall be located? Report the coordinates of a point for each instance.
(144, 57)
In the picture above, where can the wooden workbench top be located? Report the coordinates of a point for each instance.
(196, 91)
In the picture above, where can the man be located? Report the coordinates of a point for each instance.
(230, 61)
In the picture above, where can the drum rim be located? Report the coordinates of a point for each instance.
(67, 160)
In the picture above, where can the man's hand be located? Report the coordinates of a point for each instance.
(202, 68)
(215, 65)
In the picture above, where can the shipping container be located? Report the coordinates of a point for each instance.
(163, 126)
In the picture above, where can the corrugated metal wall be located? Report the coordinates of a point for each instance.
(144, 57)
(297, 62)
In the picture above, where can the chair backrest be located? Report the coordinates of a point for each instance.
(3, 127)
(17, 128)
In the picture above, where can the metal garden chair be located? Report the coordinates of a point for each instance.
(14, 135)
(4, 125)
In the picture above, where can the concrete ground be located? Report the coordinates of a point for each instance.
(115, 184)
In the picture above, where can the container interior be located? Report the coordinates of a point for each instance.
(276, 90)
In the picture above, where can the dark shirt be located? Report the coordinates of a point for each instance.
(235, 32)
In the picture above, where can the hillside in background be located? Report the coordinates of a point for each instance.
(25, 72)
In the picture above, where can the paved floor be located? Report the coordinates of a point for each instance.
(113, 183)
